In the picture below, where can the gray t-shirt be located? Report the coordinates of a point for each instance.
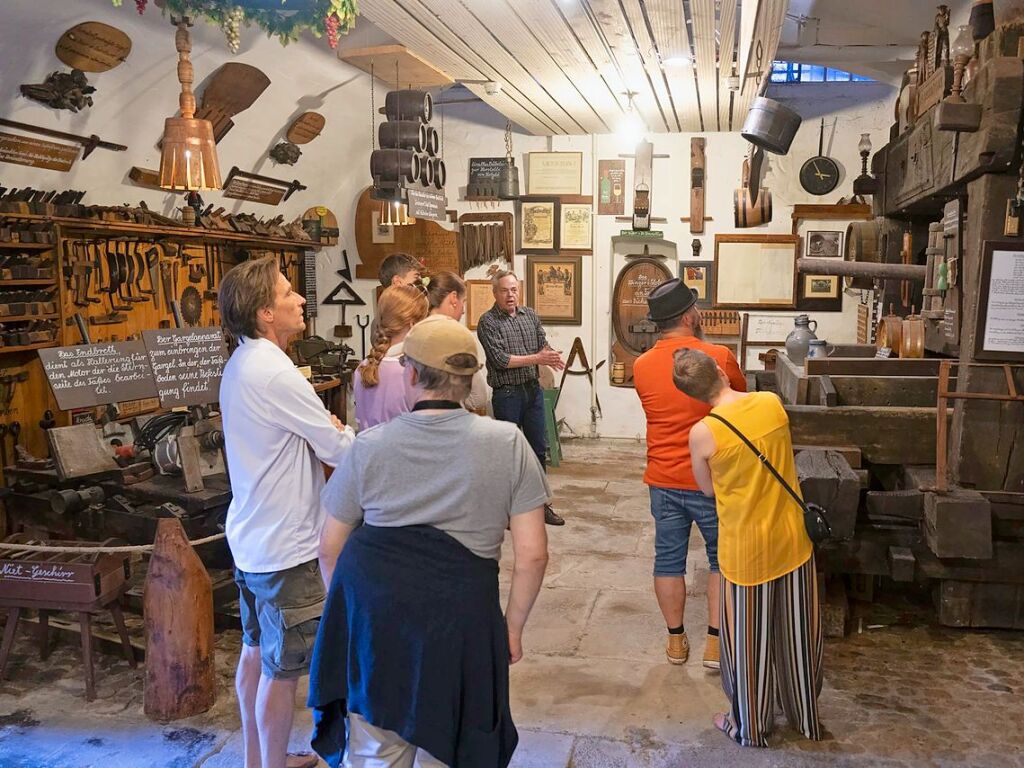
(463, 474)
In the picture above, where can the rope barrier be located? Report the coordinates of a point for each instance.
(5, 545)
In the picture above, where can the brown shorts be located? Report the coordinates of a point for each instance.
(280, 613)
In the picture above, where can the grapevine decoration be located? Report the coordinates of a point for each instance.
(285, 21)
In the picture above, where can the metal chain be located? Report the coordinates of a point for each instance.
(441, 110)
(759, 54)
(373, 111)
(508, 142)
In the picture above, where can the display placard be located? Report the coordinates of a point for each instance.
(555, 173)
(486, 170)
(187, 364)
(427, 205)
(611, 200)
(253, 191)
(1000, 333)
(36, 153)
(87, 375)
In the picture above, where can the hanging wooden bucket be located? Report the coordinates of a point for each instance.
(426, 171)
(770, 125)
(890, 333)
(440, 172)
(629, 303)
(912, 338)
(862, 239)
(402, 134)
(409, 105)
(394, 165)
(432, 143)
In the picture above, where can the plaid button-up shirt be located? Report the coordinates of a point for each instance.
(503, 335)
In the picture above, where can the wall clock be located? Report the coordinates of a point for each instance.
(820, 174)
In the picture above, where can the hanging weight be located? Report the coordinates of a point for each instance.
(508, 181)
(440, 173)
(409, 105)
(403, 134)
(395, 165)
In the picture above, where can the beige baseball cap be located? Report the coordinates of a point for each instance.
(431, 342)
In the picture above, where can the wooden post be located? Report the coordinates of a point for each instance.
(941, 449)
(178, 612)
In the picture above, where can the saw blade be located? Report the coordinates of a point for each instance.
(191, 306)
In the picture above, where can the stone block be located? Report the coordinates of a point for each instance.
(827, 480)
(901, 563)
(958, 524)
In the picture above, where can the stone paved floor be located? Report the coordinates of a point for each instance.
(594, 690)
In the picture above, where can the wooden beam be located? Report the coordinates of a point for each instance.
(913, 391)
(672, 35)
(704, 27)
(726, 53)
(652, 57)
(827, 392)
(851, 366)
(884, 435)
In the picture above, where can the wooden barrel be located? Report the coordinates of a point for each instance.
(402, 134)
(862, 244)
(426, 171)
(440, 172)
(395, 165)
(912, 337)
(629, 303)
(890, 333)
(433, 143)
(749, 214)
(409, 105)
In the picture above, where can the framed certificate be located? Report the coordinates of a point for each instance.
(537, 223)
(554, 288)
(576, 227)
(756, 271)
(554, 173)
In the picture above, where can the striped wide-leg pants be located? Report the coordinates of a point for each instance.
(771, 642)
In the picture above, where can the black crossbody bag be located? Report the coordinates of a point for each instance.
(815, 520)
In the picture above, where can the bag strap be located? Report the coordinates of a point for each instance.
(763, 459)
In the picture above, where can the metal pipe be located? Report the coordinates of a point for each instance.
(914, 272)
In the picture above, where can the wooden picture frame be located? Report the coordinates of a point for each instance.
(554, 288)
(1000, 334)
(820, 293)
(537, 225)
(823, 244)
(479, 299)
(756, 271)
(554, 173)
(699, 274)
(769, 330)
(576, 226)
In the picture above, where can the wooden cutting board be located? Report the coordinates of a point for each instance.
(306, 127)
(93, 46)
(232, 89)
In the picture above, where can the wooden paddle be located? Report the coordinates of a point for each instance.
(232, 89)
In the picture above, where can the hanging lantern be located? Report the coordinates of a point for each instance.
(188, 157)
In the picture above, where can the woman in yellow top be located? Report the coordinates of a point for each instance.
(770, 624)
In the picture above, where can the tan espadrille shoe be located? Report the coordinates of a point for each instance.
(712, 650)
(677, 649)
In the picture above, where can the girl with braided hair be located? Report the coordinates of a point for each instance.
(380, 390)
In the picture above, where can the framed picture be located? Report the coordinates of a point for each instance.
(537, 224)
(822, 293)
(554, 288)
(820, 244)
(701, 276)
(554, 173)
(382, 233)
(611, 186)
(1000, 333)
(756, 271)
(767, 330)
(479, 298)
(576, 226)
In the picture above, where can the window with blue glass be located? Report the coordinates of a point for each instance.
(795, 72)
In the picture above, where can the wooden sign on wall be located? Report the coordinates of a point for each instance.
(253, 191)
(428, 241)
(37, 153)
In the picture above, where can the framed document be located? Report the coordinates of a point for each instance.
(821, 244)
(554, 173)
(554, 288)
(1000, 333)
(537, 223)
(699, 275)
(479, 298)
(575, 227)
(756, 271)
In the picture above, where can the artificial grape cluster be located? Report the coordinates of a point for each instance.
(331, 25)
(140, 6)
(231, 24)
(116, 3)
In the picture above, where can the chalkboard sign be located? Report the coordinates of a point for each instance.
(486, 169)
(309, 282)
(187, 364)
(98, 374)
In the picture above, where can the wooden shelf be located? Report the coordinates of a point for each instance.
(74, 224)
(26, 318)
(27, 246)
(36, 281)
(27, 347)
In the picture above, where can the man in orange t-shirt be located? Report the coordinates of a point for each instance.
(676, 499)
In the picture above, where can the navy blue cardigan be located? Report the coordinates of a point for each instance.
(413, 639)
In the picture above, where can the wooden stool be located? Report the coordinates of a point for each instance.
(551, 426)
(85, 613)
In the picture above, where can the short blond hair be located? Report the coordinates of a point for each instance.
(695, 373)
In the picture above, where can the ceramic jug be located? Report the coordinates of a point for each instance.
(819, 348)
(799, 338)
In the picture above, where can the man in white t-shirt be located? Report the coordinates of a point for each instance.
(277, 433)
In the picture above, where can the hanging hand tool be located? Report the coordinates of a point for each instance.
(577, 351)
(130, 277)
(362, 331)
(3, 444)
(153, 266)
(15, 429)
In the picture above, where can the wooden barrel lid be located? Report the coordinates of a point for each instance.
(306, 127)
(93, 46)
(862, 239)
(629, 303)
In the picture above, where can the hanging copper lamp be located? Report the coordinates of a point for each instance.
(188, 158)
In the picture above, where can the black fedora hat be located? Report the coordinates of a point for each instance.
(670, 299)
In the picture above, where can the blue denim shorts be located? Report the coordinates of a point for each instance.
(280, 613)
(674, 511)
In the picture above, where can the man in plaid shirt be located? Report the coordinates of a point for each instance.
(514, 342)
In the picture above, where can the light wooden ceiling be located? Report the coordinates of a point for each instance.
(565, 65)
